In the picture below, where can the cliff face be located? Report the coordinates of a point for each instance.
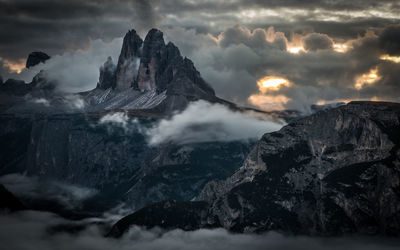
(128, 61)
(334, 172)
(79, 149)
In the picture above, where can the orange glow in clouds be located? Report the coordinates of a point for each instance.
(272, 83)
(269, 102)
(14, 67)
(266, 101)
(367, 79)
(295, 50)
(340, 47)
(395, 59)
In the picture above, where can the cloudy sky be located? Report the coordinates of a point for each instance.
(267, 54)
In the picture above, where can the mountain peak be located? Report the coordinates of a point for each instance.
(35, 58)
(107, 75)
(150, 75)
(128, 59)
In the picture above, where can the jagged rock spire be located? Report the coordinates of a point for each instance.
(152, 65)
(128, 61)
(153, 57)
(107, 77)
(163, 68)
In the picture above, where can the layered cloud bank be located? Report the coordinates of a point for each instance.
(205, 122)
(200, 122)
(31, 188)
(73, 71)
(320, 68)
(38, 230)
(329, 51)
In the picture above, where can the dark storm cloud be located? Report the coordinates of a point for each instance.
(234, 60)
(316, 41)
(214, 5)
(59, 26)
(390, 40)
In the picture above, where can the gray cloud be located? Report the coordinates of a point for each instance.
(235, 59)
(74, 71)
(200, 122)
(231, 57)
(204, 122)
(36, 230)
(389, 40)
(59, 26)
(316, 41)
(32, 188)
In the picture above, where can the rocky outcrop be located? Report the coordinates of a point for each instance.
(8, 201)
(337, 171)
(163, 68)
(128, 61)
(167, 215)
(35, 58)
(107, 77)
(334, 172)
(15, 87)
(21, 88)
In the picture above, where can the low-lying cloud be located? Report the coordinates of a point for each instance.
(74, 71)
(32, 188)
(35, 230)
(205, 122)
(200, 122)
(118, 118)
(122, 120)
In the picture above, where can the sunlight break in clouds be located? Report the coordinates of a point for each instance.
(272, 83)
(395, 59)
(367, 79)
(205, 122)
(264, 100)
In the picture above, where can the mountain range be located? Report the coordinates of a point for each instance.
(333, 172)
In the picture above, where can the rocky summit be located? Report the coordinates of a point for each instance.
(334, 172)
(35, 58)
(150, 75)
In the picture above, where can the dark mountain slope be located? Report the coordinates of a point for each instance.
(334, 172)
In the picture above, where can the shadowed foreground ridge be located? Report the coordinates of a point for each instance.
(331, 173)
(8, 201)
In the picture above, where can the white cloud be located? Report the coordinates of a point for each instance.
(204, 122)
(121, 120)
(75, 71)
(42, 101)
(32, 188)
(118, 118)
(74, 101)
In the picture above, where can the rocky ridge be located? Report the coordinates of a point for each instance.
(334, 172)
